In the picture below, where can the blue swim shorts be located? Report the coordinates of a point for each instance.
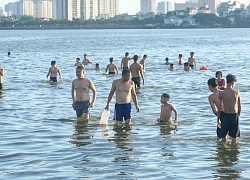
(122, 111)
(53, 79)
(81, 108)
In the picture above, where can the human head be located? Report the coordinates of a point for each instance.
(165, 98)
(85, 55)
(212, 83)
(166, 59)
(171, 65)
(135, 58)
(218, 74)
(53, 63)
(231, 79)
(77, 59)
(180, 55)
(145, 56)
(125, 75)
(192, 54)
(127, 54)
(80, 71)
(97, 65)
(111, 59)
(186, 64)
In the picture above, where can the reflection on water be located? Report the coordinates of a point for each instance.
(228, 159)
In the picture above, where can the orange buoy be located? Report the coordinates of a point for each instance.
(204, 68)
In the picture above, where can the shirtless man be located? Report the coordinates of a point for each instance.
(78, 62)
(214, 100)
(53, 72)
(125, 61)
(192, 60)
(142, 62)
(112, 68)
(136, 71)
(85, 60)
(228, 119)
(181, 61)
(80, 94)
(1, 76)
(124, 89)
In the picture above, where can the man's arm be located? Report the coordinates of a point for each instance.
(73, 91)
(134, 97)
(116, 68)
(107, 68)
(111, 93)
(142, 76)
(219, 110)
(92, 87)
(59, 72)
(122, 64)
(48, 73)
(175, 114)
(212, 105)
(239, 104)
(2, 72)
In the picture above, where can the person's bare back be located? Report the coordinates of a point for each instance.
(230, 99)
(54, 71)
(135, 69)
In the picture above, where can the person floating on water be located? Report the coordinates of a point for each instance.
(214, 100)
(78, 62)
(124, 89)
(143, 61)
(187, 67)
(54, 71)
(97, 67)
(192, 60)
(9, 53)
(166, 111)
(125, 61)
(112, 67)
(85, 60)
(181, 60)
(137, 73)
(80, 94)
(1, 76)
(171, 67)
(228, 119)
(220, 80)
(167, 61)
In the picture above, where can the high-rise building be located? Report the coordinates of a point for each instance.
(74, 9)
(114, 8)
(212, 5)
(60, 9)
(148, 6)
(164, 6)
(89, 9)
(184, 6)
(104, 9)
(1, 11)
(26, 7)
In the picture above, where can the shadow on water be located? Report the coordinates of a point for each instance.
(228, 159)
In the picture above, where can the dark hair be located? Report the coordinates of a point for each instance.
(231, 78)
(53, 62)
(135, 57)
(111, 59)
(145, 56)
(125, 71)
(180, 55)
(212, 82)
(165, 95)
(171, 64)
(78, 59)
(85, 55)
(166, 58)
(80, 67)
(127, 53)
(192, 53)
(97, 64)
(217, 73)
(186, 64)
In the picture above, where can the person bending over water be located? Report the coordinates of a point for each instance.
(124, 89)
(125, 61)
(166, 111)
(228, 119)
(80, 94)
(53, 72)
(111, 67)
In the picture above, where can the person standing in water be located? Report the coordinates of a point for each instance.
(228, 119)
(124, 89)
(85, 60)
(137, 73)
(80, 94)
(1, 76)
(125, 61)
(181, 61)
(192, 60)
(143, 61)
(54, 71)
(112, 67)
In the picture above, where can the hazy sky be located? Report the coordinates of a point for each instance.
(130, 6)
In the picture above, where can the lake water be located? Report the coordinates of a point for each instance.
(40, 137)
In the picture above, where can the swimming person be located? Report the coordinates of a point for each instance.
(85, 60)
(167, 61)
(220, 80)
(192, 60)
(53, 72)
(187, 67)
(111, 67)
(214, 100)
(143, 61)
(166, 111)
(80, 94)
(97, 67)
(171, 67)
(228, 119)
(181, 61)
(1, 76)
(136, 71)
(124, 89)
(78, 62)
(9, 54)
(125, 61)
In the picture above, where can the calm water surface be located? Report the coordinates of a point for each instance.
(40, 137)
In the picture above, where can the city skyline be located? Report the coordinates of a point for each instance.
(125, 6)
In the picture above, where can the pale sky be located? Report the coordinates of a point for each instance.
(131, 6)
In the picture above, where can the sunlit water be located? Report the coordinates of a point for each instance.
(40, 137)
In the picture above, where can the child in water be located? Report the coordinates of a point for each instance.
(167, 63)
(97, 67)
(78, 62)
(220, 80)
(171, 67)
(166, 111)
(187, 67)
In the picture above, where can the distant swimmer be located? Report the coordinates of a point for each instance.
(137, 73)
(81, 94)
(78, 62)
(171, 67)
(187, 67)
(1, 76)
(54, 71)
(167, 61)
(125, 61)
(9, 53)
(228, 119)
(97, 67)
(85, 60)
(181, 60)
(166, 111)
(124, 89)
(220, 81)
(192, 60)
(112, 67)
(143, 61)
(214, 100)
